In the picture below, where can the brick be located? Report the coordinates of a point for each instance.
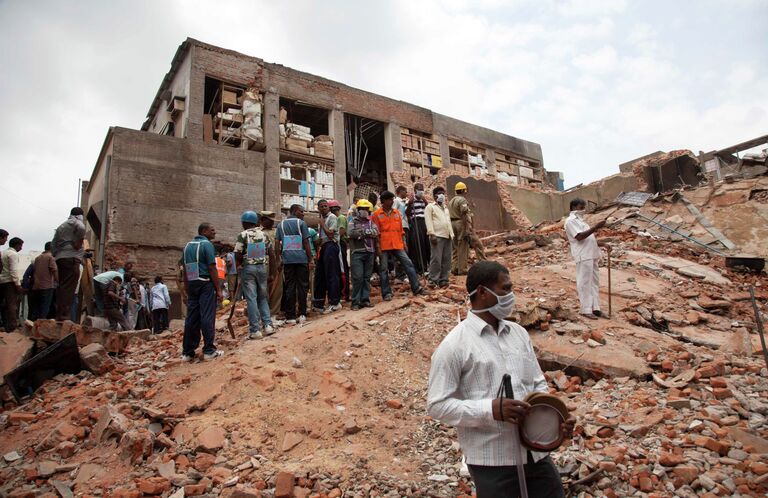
(284, 485)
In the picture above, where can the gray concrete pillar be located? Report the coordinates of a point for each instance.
(445, 154)
(490, 161)
(272, 152)
(392, 148)
(336, 130)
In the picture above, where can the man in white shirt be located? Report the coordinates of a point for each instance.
(586, 254)
(160, 301)
(467, 369)
(10, 283)
(440, 234)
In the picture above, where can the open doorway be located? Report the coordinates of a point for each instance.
(366, 156)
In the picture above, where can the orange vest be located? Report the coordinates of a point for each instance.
(390, 229)
(221, 268)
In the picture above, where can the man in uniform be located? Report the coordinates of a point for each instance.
(267, 220)
(254, 253)
(461, 221)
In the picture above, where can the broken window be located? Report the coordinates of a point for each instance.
(421, 153)
(366, 155)
(232, 115)
(306, 155)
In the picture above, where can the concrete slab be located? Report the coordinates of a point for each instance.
(679, 265)
(14, 350)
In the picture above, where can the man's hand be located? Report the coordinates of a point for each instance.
(433, 239)
(219, 295)
(19, 289)
(567, 427)
(510, 410)
(600, 224)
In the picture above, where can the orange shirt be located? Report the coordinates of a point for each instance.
(390, 229)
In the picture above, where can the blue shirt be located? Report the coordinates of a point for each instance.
(291, 233)
(206, 256)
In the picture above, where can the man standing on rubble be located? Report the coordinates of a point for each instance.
(252, 248)
(46, 277)
(275, 267)
(440, 232)
(461, 220)
(335, 208)
(586, 254)
(10, 283)
(113, 304)
(468, 367)
(293, 245)
(418, 244)
(202, 290)
(392, 245)
(67, 248)
(328, 270)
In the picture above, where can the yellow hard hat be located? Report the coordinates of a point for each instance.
(460, 186)
(364, 203)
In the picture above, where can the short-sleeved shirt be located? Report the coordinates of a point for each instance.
(458, 208)
(584, 249)
(332, 222)
(401, 205)
(199, 251)
(253, 244)
(313, 236)
(107, 276)
(66, 236)
(343, 223)
(292, 232)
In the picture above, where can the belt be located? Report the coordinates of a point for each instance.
(455, 219)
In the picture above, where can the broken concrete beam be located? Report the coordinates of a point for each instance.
(15, 349)
(113, 341)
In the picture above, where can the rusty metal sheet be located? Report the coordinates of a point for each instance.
(483, 197)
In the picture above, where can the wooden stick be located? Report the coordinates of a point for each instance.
(759, 323)
(609, 286)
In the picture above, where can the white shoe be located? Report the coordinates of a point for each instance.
(331, 309)
(269, 330)
(187, 358)
(255, 335)
(278, 323)
(290, 322)
(214, 355)
(302, 319)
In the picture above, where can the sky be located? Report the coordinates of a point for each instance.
(596, 83)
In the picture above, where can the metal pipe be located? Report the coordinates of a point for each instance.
(716, 251)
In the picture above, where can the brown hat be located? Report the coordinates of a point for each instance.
(267, 214)
(541, 429)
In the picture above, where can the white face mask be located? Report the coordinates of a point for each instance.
(441, 198)
(363, 213)
(580, 212)
(419, 194)
(504, 306)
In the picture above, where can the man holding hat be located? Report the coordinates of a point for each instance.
(461, 221)
(252, 248)
(467, 368)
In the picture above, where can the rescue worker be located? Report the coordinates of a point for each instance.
(252, 249)
(363, 242)
(267, 220)
(461, 222)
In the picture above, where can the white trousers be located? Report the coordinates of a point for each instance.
(588, 285)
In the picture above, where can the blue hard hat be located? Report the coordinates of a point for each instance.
(250, 217)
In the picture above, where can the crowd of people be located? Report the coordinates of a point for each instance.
(286, 270)
(51, 284)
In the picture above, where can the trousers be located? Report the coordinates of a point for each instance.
(440, 262)
(418, 245)
(40, 303)
(541, 478)
(116, 317)
(255, 280)
(400, 256)
(362, 269)
(11, 308)
(160, 319)
(460, 255)
(328, 276)
(69, 274)
(476, 244)
(295, 289)
(588, 285)
(201, 317)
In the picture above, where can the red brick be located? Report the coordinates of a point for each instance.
(284, 485)
(153, 485)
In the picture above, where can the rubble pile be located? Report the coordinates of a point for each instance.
(670, 391)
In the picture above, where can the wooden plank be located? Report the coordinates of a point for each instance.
(208, 129)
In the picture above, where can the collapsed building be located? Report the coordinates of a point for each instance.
(228, 132)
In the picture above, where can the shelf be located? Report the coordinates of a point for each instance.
(299, 181)
(411, 148)
(305, 157)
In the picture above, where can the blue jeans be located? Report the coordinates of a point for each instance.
(40, 303)
(254, 288)
(405, 261)
(201, 317)
(362, 269)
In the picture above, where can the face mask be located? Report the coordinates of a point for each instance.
(504, 306)
(580, 212)
(419, 194)
(441, 198)
(78, 217)
(363, 213)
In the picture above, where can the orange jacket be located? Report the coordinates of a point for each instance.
(221, 268)
(390, 229)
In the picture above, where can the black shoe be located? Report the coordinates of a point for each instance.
(368, 304)
(388, 297)
(597, 313)
(355, 307)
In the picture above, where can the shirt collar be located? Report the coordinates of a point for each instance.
(478, 325)
(200, 237)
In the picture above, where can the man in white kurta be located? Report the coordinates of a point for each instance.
(586, 254)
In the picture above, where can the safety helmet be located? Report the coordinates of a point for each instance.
(249, 217)
(364, 204)
(459, 186)
(333, 203)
